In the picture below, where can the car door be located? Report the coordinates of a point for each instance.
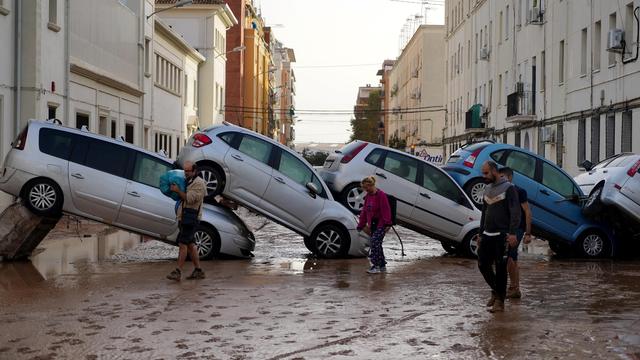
(249, 169)
(96, 177)
(441, 206)
(397, 176)
(145, 208)
(287, 197)
(559, 208)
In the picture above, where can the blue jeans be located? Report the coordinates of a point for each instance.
(513, 252)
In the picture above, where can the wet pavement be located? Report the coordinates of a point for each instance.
(104, 296)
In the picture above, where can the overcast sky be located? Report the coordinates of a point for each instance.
(323, 34)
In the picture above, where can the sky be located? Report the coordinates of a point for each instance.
(326, 36)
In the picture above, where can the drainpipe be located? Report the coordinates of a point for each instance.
(18, 66)
(67, 61)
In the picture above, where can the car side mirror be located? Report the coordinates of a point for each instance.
(313, 188)
(587, 165)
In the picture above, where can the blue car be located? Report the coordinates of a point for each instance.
(555, 199)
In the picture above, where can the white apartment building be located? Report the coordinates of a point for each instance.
(175, 89)
(537, 74)
(283, 92)
(204, 26)
(416, 98)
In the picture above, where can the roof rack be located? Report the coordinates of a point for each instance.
(54, 121)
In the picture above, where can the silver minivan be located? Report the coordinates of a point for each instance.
(429, 201)
(275, 181)
(55, 168)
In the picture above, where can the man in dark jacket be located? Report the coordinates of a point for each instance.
(498, 224)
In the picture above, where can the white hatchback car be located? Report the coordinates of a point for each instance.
(275, 181)
(55, 168)
(429, 201)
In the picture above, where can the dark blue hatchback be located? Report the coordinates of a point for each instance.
(555, 199)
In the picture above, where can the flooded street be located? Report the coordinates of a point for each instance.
(105, 296)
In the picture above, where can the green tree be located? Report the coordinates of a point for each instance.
(365, 125)
(314, 158)
(397, 143)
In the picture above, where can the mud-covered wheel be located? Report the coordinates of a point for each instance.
(329, 241)
(43, 197)
(207, 242)
(470, 245)
(475, 190)
(213, 178)
(352, 198)
(448, 247)
(593, 245)
(593, 205)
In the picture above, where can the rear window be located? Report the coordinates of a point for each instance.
(350, 147)
(475, 146)
(55, 143)
(374, 157)
(623, 161)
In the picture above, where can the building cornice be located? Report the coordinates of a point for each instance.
(177, 40)
(91, 72)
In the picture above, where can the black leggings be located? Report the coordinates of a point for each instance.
(493, 250)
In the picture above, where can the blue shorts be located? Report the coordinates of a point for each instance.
(513, 252)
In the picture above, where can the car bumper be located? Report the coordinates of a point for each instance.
(236, 244)
(13, 180)
(612, 197)
(359, 244)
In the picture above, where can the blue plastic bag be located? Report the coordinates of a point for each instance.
(173, 177)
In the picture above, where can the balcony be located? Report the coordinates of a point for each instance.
(521, 107)
(473, 120)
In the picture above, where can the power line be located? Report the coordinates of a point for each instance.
(296, 67)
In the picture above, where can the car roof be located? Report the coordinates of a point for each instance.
(52, 125)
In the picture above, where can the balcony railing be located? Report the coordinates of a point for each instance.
(521, 107)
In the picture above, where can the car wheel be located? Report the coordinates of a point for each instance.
(560, 249)
(43, 197)
(449, 248)
(593, 205)
(207, 242)
(470, 245)
(475, 190)
(593, 244)
(353, 198)
(213, 178)
(329, 241)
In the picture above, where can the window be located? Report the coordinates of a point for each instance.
(560, 145)
(622, 161)
(499, 89)
(129, 133)
(497, 156)
(185, 94)
(522, 163)
(107, 157)
(149, 169)
(434, 180)
(255, 148)
(555, 180)
(402, 166)
(595, 139)
(543, 71)
(147, 56)
(55, 143)
(102, 125)
(294, 169)
(82, 120)
(519, 23)
(506, 21)
(627, 130)
(583, 53)
(597, 39)
(52, 109)
(582, 140)
(518, 141)
(168, 76)
(195, 94)
(629, 26)
(561, 63)
(374, 157)
(227, 137)
(501, 33)
(113, 129)
(610, 135)
(612, 25)
(53, 12)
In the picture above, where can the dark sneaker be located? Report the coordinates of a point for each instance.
(492, 300)
(514, 294)
(498, 306)
(175, 275)
(374, 270)
(196, 274)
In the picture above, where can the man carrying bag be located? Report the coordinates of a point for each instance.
(188, 214)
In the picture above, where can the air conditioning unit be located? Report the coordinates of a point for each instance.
(484, 53)
(548, 135)
(614, 40)
(520, 87)
(536, 16)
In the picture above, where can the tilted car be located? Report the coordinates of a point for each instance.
(276, 182)
(429, 201)
(554, 197)
(59, 169)
(614, 182)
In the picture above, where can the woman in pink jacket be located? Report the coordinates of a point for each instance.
(375, 220)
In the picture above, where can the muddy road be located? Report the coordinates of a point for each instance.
(88, 296)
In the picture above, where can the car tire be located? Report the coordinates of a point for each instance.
(593, 204)
(475, 190)
(352, 198)
(329, 241)
(592, 244)
(469, 245)
(449, 248)
(207, 242)
(561, 250)
(213, 178)
(43, 197)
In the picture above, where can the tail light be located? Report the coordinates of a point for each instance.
(200, 140)
(21, 140)
(348, 157)
(634, 169)
(470, 161)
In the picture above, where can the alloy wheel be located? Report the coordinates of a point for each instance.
(204, 243)
(594, 196)
(42, 197)
(211, 180)
(477, 192)
(355, 198)
(593, 245)
(328, 242)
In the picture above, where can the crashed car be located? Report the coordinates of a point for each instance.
(57, 169)
(273, 180)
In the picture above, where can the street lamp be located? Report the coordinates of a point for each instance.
(179, 4)
(235, 49)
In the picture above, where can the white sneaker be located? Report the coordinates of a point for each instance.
(374, 270)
